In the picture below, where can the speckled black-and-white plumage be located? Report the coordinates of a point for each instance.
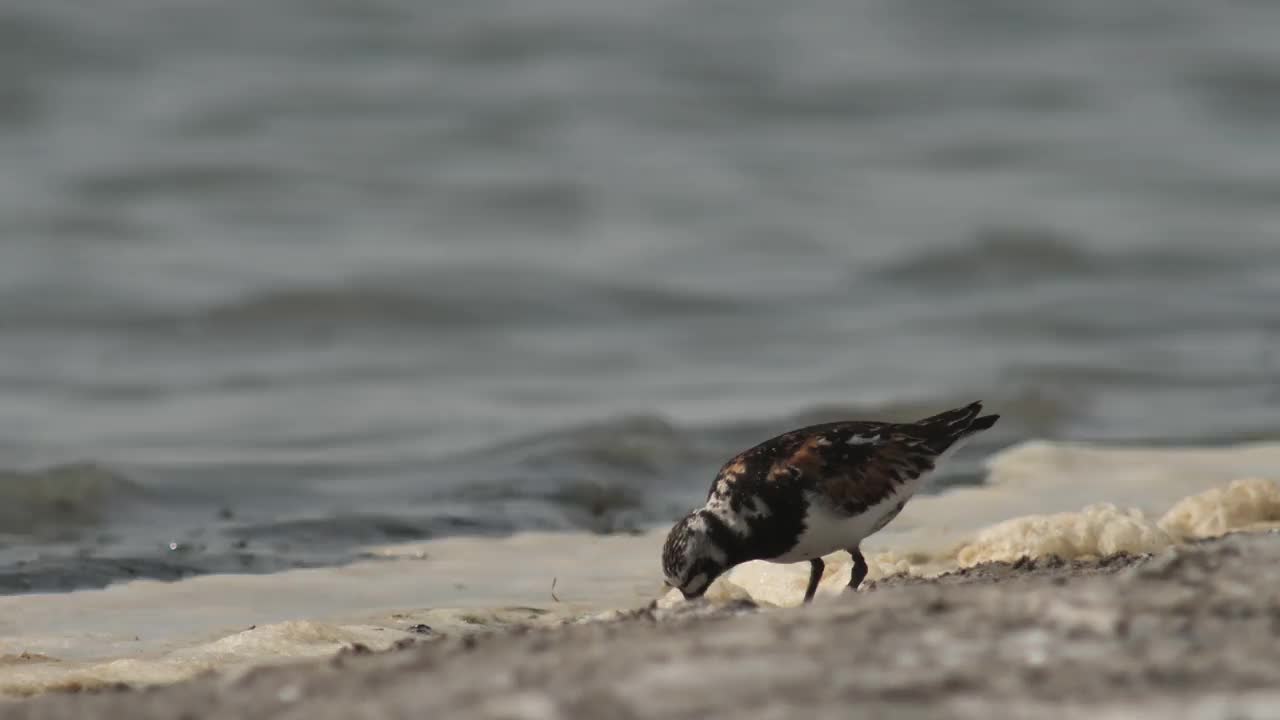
(811, 492)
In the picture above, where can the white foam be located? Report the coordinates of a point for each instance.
(1247, 504)
(1096, 531)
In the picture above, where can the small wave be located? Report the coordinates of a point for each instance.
(329, 307)
(997, 253)
(455, 298)
(1020, 254)
(423, 301)
(346, 529)
(606, 477)
(1239, 87)
(634, 443)
(58, 499)
(178, 179)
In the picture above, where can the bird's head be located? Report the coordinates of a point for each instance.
(691, 558)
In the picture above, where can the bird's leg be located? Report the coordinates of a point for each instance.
(816, 566)
(859, 568)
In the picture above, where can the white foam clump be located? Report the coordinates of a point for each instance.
(1096, 531)
(1247, 504)
(1103, 529)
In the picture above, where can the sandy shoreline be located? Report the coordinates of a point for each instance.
(1192, 631)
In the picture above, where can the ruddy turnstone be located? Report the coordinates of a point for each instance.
(811, 492)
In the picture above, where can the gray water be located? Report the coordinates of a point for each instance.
(279, 280)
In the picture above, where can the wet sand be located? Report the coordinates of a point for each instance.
(1191, 631)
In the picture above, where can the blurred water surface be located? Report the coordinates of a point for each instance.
(281, 279)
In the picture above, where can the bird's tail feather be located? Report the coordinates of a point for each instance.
(956, 417)
(950, 428)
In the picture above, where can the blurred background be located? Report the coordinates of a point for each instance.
(279, 280)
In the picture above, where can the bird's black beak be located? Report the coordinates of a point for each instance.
(687, 595)
(694, 595)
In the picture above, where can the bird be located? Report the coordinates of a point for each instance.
(811, 492)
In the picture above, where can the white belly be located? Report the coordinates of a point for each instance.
(827, 531)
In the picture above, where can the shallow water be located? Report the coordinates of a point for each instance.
(281, 283)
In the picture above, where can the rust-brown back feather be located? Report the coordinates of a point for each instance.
(853, 464)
